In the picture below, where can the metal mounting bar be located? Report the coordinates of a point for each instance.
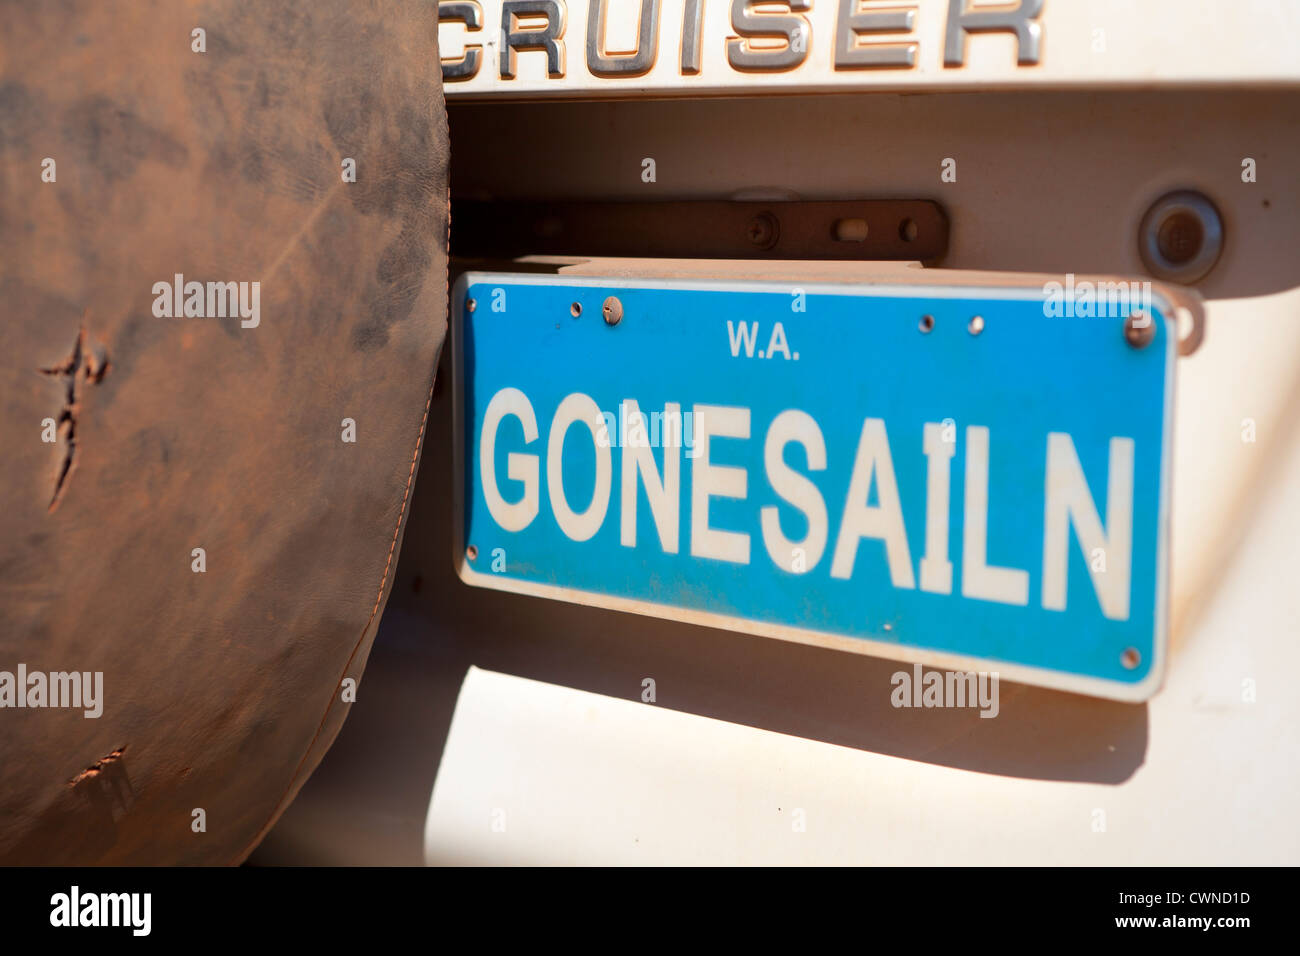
(863, 229)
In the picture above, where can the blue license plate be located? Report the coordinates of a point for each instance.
(967, 477)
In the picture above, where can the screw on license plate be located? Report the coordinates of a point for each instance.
(612, 310)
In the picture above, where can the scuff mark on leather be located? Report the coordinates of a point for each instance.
(92, 364)
(98, 767)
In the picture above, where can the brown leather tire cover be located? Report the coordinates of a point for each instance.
(222, 688)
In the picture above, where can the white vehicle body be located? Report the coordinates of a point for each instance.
(497, 728)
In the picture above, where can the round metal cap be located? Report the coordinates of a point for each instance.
(1181, 237)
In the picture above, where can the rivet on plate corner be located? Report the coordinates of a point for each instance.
(1139, 330)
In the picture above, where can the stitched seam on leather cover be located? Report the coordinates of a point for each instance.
(401, 514)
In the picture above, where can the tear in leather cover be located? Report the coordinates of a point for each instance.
(222, 687)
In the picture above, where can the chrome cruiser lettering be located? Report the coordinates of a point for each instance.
(761, 36)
